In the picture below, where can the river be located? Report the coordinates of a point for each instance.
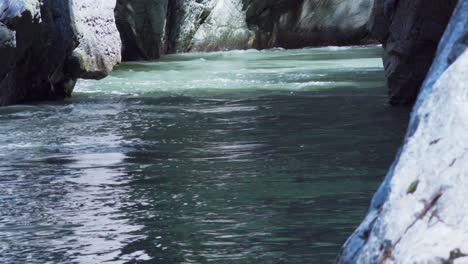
(232, 157)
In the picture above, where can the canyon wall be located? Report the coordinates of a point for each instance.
(419, 214)
(47, 45)
(150, 28)
(296, 24)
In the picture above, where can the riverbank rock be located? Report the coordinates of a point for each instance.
(142, 25)
(419, 214)
(99, 45)
(47, 45)
(410, 31)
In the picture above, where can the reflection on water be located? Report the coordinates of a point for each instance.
(230, 157)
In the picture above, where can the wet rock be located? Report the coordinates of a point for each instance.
(141, 24)
(410, 31)
(429, 225)
(46, 45)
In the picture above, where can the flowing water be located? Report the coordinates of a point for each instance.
(229, 157)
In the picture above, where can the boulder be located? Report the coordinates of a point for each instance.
(419, 214)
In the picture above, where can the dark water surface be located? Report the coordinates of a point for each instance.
(230, 157)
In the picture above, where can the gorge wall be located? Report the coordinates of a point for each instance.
(46, 45)
(419, 214)
(153, 27)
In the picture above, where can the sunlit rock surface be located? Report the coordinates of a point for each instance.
(224, 28)
(46, 45)
(419, 214)
(99, 48)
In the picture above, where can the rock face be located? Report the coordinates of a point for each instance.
(410, 31)
(153, 27)
(300, 23)
(46, 45)
(419, 214)
(33, 68)
(224, 28)
(99, 43)
(141, 24)
(184, 18)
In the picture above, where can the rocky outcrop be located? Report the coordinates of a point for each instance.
(99, 44)
(410, 31)
(184, 19)
(224, 28)
(46, 45)
(141, 24)
(419, 214)
(33, 68)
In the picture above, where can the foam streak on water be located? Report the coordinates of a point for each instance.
(228, 157)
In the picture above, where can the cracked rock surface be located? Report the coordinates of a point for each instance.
(419, 214)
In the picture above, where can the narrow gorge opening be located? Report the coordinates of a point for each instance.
(249, 154)
(229, 157)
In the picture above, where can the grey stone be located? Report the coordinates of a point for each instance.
(142, 25)
(410, 31)
(46, 45)
(426, 226)
(300, 23)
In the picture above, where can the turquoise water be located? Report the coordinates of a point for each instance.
(229, 157)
